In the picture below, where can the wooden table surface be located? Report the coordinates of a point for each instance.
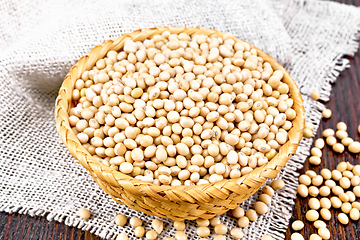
(345, 106)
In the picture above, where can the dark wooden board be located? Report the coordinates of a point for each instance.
(345, 105)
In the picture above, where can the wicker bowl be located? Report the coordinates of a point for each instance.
(181, 202)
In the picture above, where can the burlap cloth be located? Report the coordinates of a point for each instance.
(40, 40)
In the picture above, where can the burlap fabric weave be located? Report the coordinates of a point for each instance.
(40, 40)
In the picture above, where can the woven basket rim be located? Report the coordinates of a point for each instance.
(63, 103)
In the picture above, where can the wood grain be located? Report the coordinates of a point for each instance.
(345, 106)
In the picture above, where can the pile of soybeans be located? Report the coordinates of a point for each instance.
(182, 110)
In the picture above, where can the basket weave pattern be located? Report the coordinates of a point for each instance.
(181, 202)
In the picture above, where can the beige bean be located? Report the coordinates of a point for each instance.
(326, 113)
(139, 232)
(314, 160)
(135, 222)
(320, 143)
(314, 237)
(315, 95)
(238, 212)
(308, 133)
(338, 147)
(325, 173)
(243, 222)
(122, 236)
(346, 207)
(316, 152)
(312, 215)
(313, 191)
(296, 236)
(151, 235)
(325, 214)
(343, 218)
(354, 147)
(237, 233)
(305, 179)
(278, 184)
(179, 225)
(260, 207)
(328, 132)
(220, 229)
(354, 214)
(341, 134)
(120, 220)
(331, 140)
(319, 224)
(335, 202)
(324, 191)
(314, 203)
(267, 237)
(324, 233)
(157, 225)
(297, 225)
(84, 213)
(251, 214)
